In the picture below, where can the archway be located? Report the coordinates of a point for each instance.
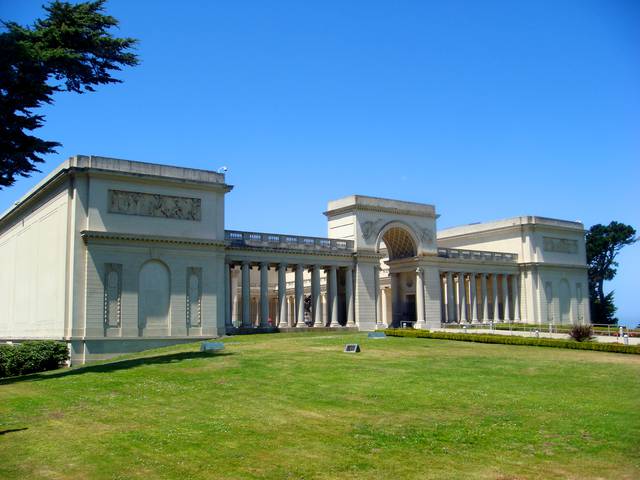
(154, 289)
(397, 302)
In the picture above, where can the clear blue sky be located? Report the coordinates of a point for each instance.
(486, 109)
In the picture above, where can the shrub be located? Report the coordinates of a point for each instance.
(515, 340)
(32, 357)
(581, 333)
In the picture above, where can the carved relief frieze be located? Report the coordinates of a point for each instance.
(559, 245)
(112, 294)
(154, 205)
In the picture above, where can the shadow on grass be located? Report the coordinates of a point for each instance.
(11, 430)
(113, 366)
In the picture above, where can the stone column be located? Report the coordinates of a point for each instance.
(227, 295)
(246, 295)
(420, 319)
(385, 317)
(315, 296)
(473, 297)
(333, 296)
(299, 288)
(395, 300)
(283, 313)
(451, 307)
(378, 300)
(462, 298)
(348, 292)
(516, 298)
(325, 308)
(494, 285)
(505, 295)
(234, 298)
(485, 298)
(264, 294)
(443, 297)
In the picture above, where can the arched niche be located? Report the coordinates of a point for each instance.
(154, 294)
(399, 240)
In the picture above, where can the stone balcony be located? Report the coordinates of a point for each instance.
(477, 255)
(287, 242)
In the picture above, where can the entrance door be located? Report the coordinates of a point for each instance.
(410, 308)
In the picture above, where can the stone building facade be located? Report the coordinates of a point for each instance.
(115, 256)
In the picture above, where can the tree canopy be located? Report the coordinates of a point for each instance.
(70, 50)
(603, 243)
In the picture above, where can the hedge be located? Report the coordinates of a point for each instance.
(515, 340)
(31, 357)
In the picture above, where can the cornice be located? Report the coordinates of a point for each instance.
(92, 235)
(381, 209)
(292, 251)
(554, 265)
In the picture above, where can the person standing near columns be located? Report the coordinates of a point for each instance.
(315, 296)
(451, 308)
(462, 298)
(420, 318)
(348, 289)
(333, 296)
(246, 295)
(473, 297)
(505, 295)
(283, 312)
(299, 293)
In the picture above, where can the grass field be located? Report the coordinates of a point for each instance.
(293, 406)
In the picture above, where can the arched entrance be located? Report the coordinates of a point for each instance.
(154, 289)
(398, 304)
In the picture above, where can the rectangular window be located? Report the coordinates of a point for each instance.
(194, 296)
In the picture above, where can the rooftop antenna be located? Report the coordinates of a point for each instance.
(222, 169)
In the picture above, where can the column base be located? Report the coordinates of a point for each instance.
(420, 325)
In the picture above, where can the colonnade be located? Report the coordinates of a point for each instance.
(290, 309)
(469, 297)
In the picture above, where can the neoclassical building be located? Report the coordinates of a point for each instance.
(116, 256)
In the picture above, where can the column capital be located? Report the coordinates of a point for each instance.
(282, 265)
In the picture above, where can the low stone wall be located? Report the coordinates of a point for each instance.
(543, 334)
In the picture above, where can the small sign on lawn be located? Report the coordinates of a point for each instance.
(211, 346)
(352, 348)
(377, 335)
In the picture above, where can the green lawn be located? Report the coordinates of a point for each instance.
(294, 406)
